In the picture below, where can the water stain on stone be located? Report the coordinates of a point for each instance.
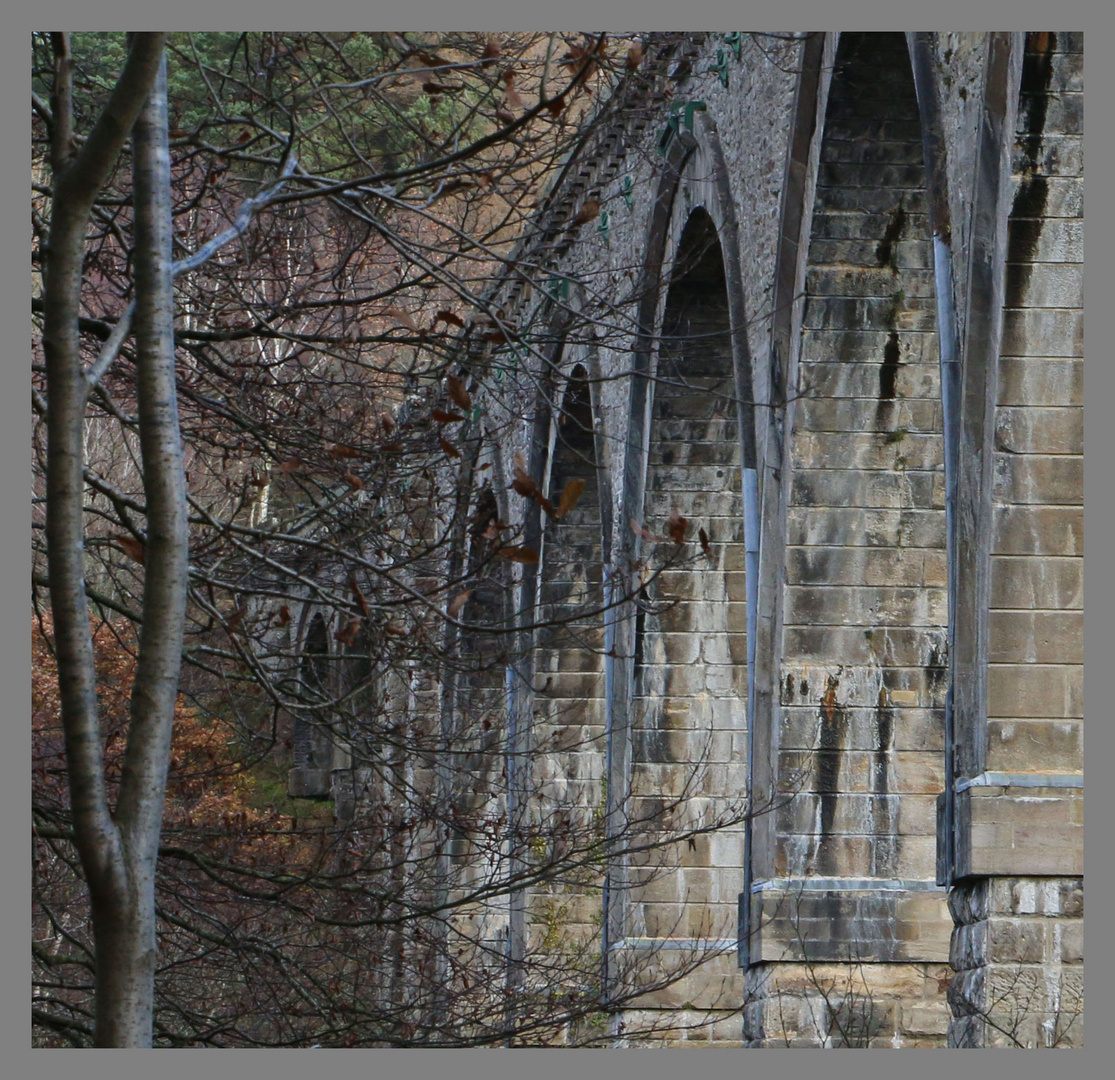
(834, 732)
(1028, 210)
(888, 369)
(886, 250)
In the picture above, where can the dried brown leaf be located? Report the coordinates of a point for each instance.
(133, 548)
(450, 317)
(340, 450)
(522, 484)
(703, 537)
(491, 52)
(402, 317)
(676, 528)
(570, 495)
(519, 554)
(348, 634)
(449, 449)
(458, 602)
(458, 393)
(443, 417)
(590, 209)
(358, 596)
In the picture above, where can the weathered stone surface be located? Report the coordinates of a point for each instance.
(1019, 831)
(852, 673)
(1038, 530)
(1050, 584)
(1038, 637)
(1019, 745)
(1031, 690)
(1035, 430)
(1039, 479)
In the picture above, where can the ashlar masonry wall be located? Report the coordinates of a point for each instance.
(805, 247)
(830, 315)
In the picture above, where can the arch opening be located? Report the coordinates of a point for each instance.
(689, 720)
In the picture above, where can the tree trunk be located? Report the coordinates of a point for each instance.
(118, 851)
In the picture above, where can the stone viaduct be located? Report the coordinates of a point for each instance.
(829, 313)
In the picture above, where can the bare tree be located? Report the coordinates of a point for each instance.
(118, 849)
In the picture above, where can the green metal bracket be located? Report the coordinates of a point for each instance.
(558, 287)
(603, 227)
(735, 39)
(629, 193)
(681, 112)
(721, 67)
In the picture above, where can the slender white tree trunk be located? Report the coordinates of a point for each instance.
(118, 850)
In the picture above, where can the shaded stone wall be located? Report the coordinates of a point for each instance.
(568, 668)
(1017, 949)
(864, 653)
(691, 647)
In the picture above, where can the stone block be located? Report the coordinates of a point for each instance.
(898, 416)
(1034, 430)
(1051, 285)
(1068, 938)
(997, 834)
(1046, 637)
(821, 377)
(1035, 479)
(829, 450)
(308, 783)
(879, 527)
(682, 648)
(863, 566)
(899, 646)
(1021, 941)
(1042, 332)
(1022, 745)
(1038, 530)
(926, 1019)
(1035, 690)
(868, 926)
(1048, 583)
(1041, 380)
